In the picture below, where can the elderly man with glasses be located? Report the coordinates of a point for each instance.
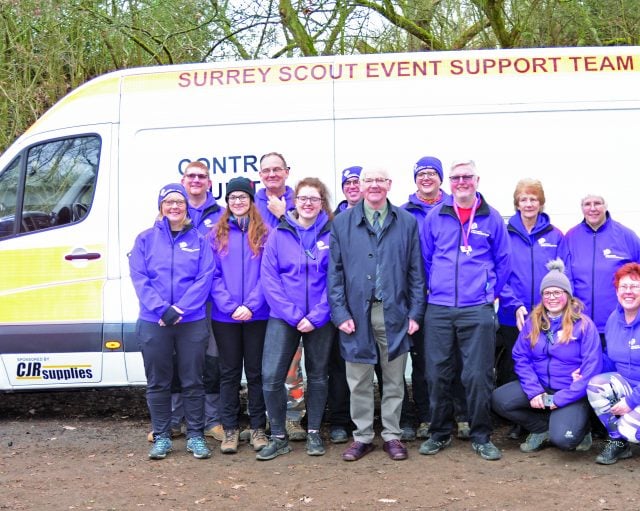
(466, 251)
(376, 293)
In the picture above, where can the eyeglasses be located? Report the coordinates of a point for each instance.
(352, 182)
(377, 180)
(592, 204)
(467, 178)
(193, 177)
(313, 200)
(629, 287)
(238, 198)
(274, 170)
(532, 200)
(172, 203)
(426, 175)
(547, 295)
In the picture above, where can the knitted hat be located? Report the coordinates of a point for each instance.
(171, 188)
(239, 184)
(556, 277)
(350, 172)
(426, 163)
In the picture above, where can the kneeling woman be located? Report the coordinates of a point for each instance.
(555, 355)
(171, 267)
(294, 281)
(615, 395)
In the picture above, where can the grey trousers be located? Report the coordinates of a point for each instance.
(360, 381)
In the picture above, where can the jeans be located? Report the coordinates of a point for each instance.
(241, 344)
(281, 343)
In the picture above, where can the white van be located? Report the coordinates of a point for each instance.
(78, 186)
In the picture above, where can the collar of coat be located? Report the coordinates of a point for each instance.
(362, 217)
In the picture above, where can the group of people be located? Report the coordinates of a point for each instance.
(441, 277)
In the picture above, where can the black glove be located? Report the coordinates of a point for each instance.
(170, 316)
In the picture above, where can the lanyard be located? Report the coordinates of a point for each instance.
(465, 234)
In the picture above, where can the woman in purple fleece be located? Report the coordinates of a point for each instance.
(615, 395)
(556, 343)
(294, 280)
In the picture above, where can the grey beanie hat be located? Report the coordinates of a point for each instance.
(556, 277)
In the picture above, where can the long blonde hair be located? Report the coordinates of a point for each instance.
(540, 321)
(256, 234)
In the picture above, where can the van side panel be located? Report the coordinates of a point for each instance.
(566, 116)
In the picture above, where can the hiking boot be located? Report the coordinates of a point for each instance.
(464, 430)
(433, 446)
(408, 434)
(585, 444)
(613, 451)
(295, 431)
(197, 445)
(258, 439)
(423, 431)
(216, 432)
(534, 442)
(275, 447)
(229, 444)
(356, 451)
(161, 447)
(487, 451)
(315, 445)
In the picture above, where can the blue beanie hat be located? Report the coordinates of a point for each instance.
(428, 162)
(350, 172)
(170, 188)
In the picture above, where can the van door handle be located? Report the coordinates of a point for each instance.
(87, 255)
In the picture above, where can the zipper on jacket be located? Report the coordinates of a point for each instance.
(457, 280)
(173, 249)
(593, 276)
(533, 280)
(306, 266)
(242, 266)
(546, 340)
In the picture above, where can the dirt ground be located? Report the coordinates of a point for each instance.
(86, 450)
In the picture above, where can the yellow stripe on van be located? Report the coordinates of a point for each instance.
(107, 86)
(39, 285)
